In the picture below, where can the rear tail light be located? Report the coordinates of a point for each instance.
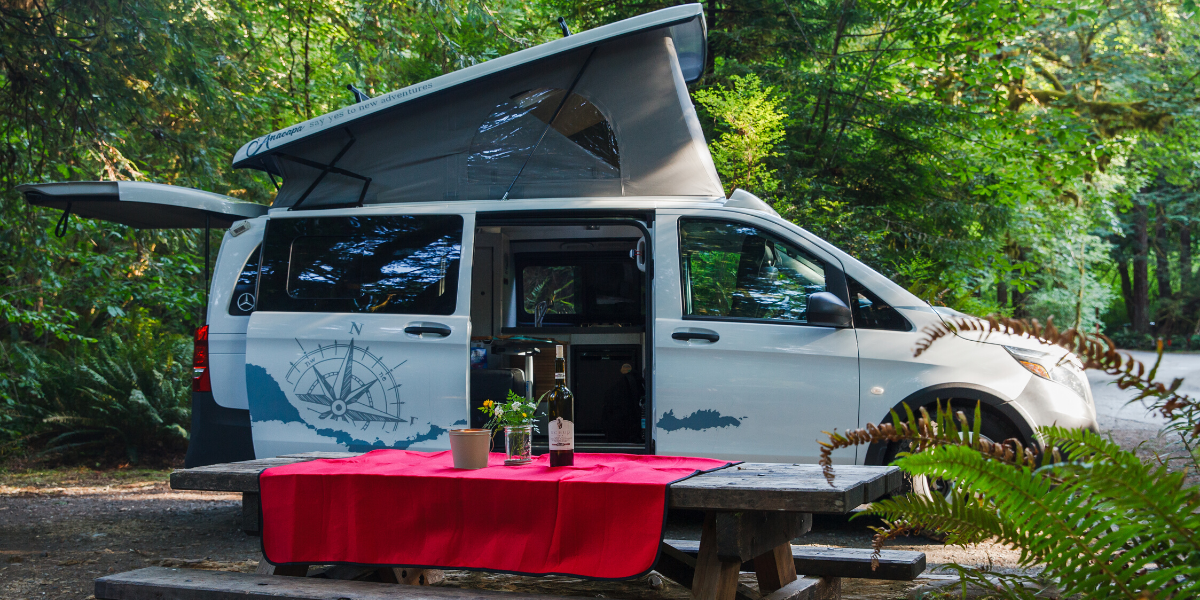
(200, 377)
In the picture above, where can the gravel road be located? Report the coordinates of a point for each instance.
(1112, 404)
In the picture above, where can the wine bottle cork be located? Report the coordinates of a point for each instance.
(558, 352)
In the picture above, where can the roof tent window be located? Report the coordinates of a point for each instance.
(580, 144)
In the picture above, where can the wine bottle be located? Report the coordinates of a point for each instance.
(562, 415)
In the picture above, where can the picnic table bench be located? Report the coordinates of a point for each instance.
(752, 512)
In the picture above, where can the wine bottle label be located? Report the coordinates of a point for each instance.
(562, 434)
(560, 375)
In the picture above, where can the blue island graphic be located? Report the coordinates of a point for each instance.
(268, 402)
(697, 421)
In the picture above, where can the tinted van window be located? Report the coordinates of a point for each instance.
(870, 312)
(242, 302)
(733, 270)
(404, 264)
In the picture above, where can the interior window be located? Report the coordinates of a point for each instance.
(395, 264)
(739, 271)
(870, 312)
(580, 143)
(580, 288)
(552, 284)
(242, 302)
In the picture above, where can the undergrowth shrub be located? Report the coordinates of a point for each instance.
(1102, 522)
(123, 396)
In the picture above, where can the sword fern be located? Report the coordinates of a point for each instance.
(1101, 521)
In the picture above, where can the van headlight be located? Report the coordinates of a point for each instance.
(1068, 371)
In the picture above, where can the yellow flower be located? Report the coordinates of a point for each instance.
(524, 415)
(487, 403)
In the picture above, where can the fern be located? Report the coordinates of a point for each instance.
(128, 396)
(1102, 522)
(1095, 543)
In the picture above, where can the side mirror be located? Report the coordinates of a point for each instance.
(827, 310)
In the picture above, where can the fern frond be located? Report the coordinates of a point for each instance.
(1092, 545)
(964, 518)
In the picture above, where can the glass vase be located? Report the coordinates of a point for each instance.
(518, 444)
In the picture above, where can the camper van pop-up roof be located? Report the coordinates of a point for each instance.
(621, 124)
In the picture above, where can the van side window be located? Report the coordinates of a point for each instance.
(733, 270)
(242, 302)
(402, 264)
(870, 312)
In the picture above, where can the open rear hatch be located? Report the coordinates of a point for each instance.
(140, 204)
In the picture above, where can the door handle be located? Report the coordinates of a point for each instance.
(439, 330)
(708, 336)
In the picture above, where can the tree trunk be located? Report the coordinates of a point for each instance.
(1126, 287)
(1002, 293)
(1138, 304)
(1020, 298)
(1186, 280)
(1162, 258)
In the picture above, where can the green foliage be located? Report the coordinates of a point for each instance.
(1027, 159)
(125, 395)
(751, 126)
(157, 90)
(1102, 522)
(514, 411)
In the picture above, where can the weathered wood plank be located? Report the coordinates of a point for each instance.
(778, 487)
(681, 568)
(751, 486)
(266, 568)
(741, 536)
(894, 565)
(716, 578)
(158, 583)
(775, 569)
(676, 565)
(411, 576)
(800, 589)
(251, 513)
(227, 477)
(343, 572)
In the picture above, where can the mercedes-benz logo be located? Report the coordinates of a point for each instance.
(246, 302)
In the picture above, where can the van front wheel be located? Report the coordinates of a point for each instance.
(993, 428)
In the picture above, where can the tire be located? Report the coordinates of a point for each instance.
(994, 428)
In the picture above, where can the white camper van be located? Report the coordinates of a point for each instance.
(425, 245)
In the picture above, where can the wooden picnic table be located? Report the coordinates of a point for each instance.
(752, 512)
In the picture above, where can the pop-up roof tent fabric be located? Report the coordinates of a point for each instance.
(627, 127)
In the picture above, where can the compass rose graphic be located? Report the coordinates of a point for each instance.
(345, 383)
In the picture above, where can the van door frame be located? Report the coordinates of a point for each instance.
(643, 221)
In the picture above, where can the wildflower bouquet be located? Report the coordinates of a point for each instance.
(513, 412)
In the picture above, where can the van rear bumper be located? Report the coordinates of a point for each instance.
(219, 434)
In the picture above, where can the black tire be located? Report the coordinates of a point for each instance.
(995, 428)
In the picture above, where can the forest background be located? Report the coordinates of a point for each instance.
(1032, 158)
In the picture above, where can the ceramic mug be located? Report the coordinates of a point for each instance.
(470, 447)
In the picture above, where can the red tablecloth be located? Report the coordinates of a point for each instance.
(601, 518)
